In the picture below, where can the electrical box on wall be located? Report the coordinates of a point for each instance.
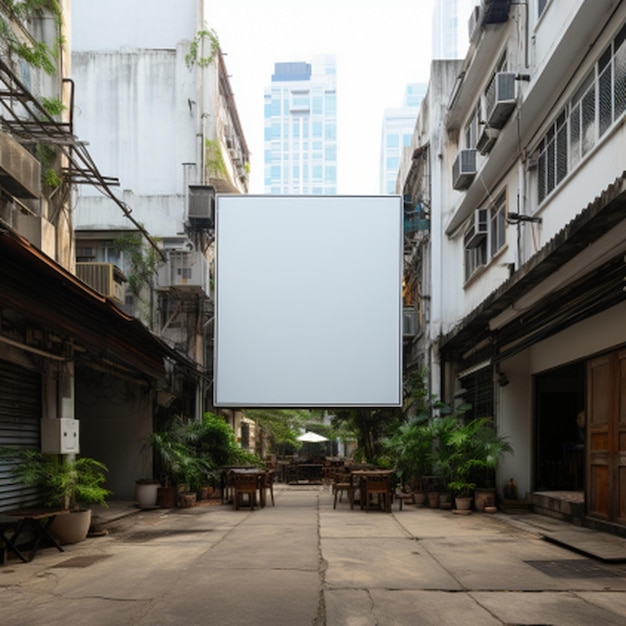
(59, 436)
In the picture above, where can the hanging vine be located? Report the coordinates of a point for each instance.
(142, 262)
(35, 53)
(192, 57)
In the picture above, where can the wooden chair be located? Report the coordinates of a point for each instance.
(343, 483)
(268, 486)
(245, 484)
(379, 486)
(403, 496)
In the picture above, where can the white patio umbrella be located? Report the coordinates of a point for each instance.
(311, 437)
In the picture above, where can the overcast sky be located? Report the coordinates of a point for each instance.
(380, 46)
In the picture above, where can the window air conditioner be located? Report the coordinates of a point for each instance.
(202, 205)
(487, 139)
(185, 271)
(464, 169)
(477, 230)
(502, 99)
(105, 278)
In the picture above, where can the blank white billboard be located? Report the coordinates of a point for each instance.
(308, 301)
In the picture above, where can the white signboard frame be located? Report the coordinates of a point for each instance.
(308, 309)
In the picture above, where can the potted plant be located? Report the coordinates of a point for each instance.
(490, 450)
(441, 429)
(64, 483)
(184, 469)
(146, 491)
(410, 447)
(472, 450)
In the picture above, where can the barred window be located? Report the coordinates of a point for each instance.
(483, 240)
(474, 258)
(598, 103)
(497, 225)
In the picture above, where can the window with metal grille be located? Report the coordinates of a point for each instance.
(598, 103)
(497, 225)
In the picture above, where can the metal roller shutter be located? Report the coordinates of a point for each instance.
(20, 413)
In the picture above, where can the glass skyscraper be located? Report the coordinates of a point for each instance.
(398, 125)
(300, 113)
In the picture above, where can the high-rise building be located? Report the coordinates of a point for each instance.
(397, 131)
(451, 28)
(300, 147)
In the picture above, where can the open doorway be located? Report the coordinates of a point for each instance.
(559, 436)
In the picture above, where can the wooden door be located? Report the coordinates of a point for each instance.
(606, 437)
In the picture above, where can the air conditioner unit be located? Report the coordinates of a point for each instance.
(202, 205)
(478, 228)
(185, 271)
(487, 139)
(409, 322)
(473, 25)
(502, 99)
(20, 171)
(464, 169)
(105, 278)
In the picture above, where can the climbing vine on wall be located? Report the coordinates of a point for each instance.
(36, 53)
(142, 261)
(193, 56)
(214, 160)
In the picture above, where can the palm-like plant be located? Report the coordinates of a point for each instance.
(62, 483)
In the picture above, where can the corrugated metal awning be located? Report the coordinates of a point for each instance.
(33, 284)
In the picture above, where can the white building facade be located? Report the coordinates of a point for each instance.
(526, 258)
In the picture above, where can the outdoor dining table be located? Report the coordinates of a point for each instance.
(260, 475)
(36, 519)
(225, 485)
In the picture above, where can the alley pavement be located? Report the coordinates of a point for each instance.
(302, 563)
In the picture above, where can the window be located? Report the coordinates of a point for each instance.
(471, 130)
(330, 101)
(485, 235)
(393, 163)
(331, 132)
(474, 257)
(497, 225)
(300, 101)
(541, 6)
(406, 140)
(595, 107)
(330, 152)
(317, 129)
(393, 140)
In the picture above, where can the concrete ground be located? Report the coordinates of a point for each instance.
(303, 563)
